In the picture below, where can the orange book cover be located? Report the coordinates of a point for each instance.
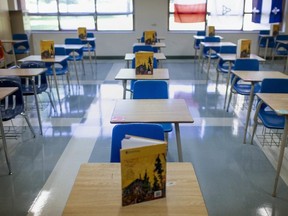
(150, 37)
(143, 169)
(82, 32)
(47, 49)
(144, 63)
(243, 48)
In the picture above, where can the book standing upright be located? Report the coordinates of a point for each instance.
(82, 32)
(150, 37)
(243, 48)
(274, 30)
(210, 31)
(47, 49)
(144, 63)
(143, 169)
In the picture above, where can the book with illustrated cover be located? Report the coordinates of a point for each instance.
(143, 169)
(210, 31)
(243, 48)
(150, 37)
(144, 63)
(82, 32)
(47, 49)
(274, 30)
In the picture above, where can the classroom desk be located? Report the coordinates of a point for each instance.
(129, 74)
(130, 56)
(57, 59)
(97, 191)
(87, 40)
(29, 73)
(211, 45)
(153, 111)
(267, 38)
(5, 91)
(158, 45)
(159, 39)
(286, 43)
(12, 47)
(231, 58)
(254, 77)
(72, 48)
(279, 103)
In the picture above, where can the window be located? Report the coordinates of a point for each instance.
(223, 14)
(99, 15)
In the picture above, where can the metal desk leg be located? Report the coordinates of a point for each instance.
(178, 139)
(37, 106)
(281, 155)
(251, 98)
(124, 83)
(56, 84)
(74, 58)
(5, 145)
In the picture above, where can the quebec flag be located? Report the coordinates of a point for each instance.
(267, 11)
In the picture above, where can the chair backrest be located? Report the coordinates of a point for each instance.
(137, 48)
(150, 89)
(228, 49)
(246, 64)
(40, 81)
(201, 33)
(60, 51)
(64, 63)
(22, 45)
(264, 32)
(90, 35)
(274, 86)
(13, 104)
(147, 130)
(212, 39)
(73, 41)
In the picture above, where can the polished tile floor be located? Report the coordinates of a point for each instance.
(235, 179)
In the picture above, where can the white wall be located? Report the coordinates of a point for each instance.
(149, 14)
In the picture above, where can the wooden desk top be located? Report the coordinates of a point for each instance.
(282, 41)
(158, 56)
(13, 41)
(58, 58)
(22, 72)
(232, 57)
(217, 44)
(130, 74)
(278, 102)
(158, 44)
(5, 91)
(151, 110)
(202, 37)
(97, 191)
(258, 76)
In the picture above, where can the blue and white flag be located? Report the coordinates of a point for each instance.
(267, 11)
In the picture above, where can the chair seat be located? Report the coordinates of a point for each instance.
(212, 56)
(77, 58)
(224, 68)
(167, 127)
(58, 71)
(21, 51)
(244, 89)
(88, 49)
(271, 120)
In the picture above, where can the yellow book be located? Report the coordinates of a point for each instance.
(144, 63)
(243, 48)
(150, 37)
(210, 31)
(143, 169)
(274, 30)
(82, 32)
(47, 49)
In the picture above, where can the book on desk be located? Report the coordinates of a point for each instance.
(150, 37)
(82, 32)
(210, 31)
(143, 169)
(243, 48)
(144, 63)
(47, 49)
(274, 30)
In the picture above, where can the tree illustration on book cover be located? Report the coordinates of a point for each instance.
(143, 178)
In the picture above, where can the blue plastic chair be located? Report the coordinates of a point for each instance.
(197, 42)
(267, 116)
(237, 87)
(76, 55)
(61, 68)
(90, 46)
(281, 50)
(147, 130)
(210, 52)
(153, 89)
(262, 41)
(41, 81)
(22, 47)
(223, 66)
